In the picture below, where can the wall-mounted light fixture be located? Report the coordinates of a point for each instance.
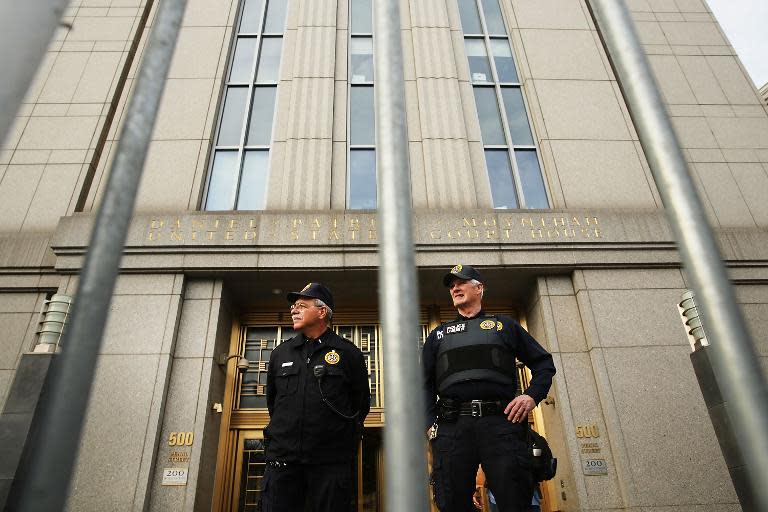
(689, 314)
(53, 318)
(242, 363)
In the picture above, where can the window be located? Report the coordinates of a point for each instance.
(239, 163)
(361, 129)
(511, 156)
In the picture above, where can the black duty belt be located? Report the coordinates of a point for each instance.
(480, 408)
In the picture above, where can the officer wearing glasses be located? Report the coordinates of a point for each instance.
(470, 365)
(318, 397)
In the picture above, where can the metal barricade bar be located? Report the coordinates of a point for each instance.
(732, 352)
(26, 30)
(404, 431)
(42, 481)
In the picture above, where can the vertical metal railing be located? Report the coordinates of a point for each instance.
(734, 360)
(26, 30)
(42, 481)
(404, 438)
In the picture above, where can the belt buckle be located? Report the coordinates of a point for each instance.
(477, 408)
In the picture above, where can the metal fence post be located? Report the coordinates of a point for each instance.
(26, 29)
(42, 482)
(404, 433)
(734, 361)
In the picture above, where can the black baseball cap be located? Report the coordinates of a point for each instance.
(314, 291)
(461, 272)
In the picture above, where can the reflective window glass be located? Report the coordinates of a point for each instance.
(470, 19)
(275, 23)
(242, 62)
(262, 113)
(517, 120)
(232, 116)
(502, 57)
(479, 67)
(500, 176)
(361, 59)
(269, 61)
(488, 114)
(362, 179)
(249, 22)
(493, 20)
(530, 177)
(362, 17)
(253, 183)
(361, 118)
(221, 189)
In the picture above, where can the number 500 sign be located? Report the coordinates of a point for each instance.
(181, 438)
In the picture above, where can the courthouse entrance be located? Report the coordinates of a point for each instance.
(241, 463)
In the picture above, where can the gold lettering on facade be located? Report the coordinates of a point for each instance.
(590, 448)
(319, 228)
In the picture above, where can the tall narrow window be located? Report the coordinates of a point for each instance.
(239, 163)
(361, 131)
(511, 156)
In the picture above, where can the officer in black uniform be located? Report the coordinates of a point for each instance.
(318, 397)
(470, 365)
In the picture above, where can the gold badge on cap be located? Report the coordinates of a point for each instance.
(499, 326)
(487, 324)
(332, 357)
(456, 269)
(306, 287)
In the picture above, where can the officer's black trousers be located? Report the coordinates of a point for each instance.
(502, 449)
(325, 487)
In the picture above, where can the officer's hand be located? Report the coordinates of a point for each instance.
(477, 499)
(518, 409)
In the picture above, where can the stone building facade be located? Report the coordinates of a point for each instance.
(524, 162)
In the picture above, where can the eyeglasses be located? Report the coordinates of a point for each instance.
(301, 306)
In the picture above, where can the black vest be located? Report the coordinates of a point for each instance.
(473, 350)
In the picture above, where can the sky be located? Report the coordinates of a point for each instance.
(745, 22)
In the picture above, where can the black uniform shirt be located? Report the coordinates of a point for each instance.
(302, 428)
(522, 344)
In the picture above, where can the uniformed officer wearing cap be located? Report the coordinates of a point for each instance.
(470, 365)
(318, 397)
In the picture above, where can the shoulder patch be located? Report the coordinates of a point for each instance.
(332, 357)
(487, 324)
